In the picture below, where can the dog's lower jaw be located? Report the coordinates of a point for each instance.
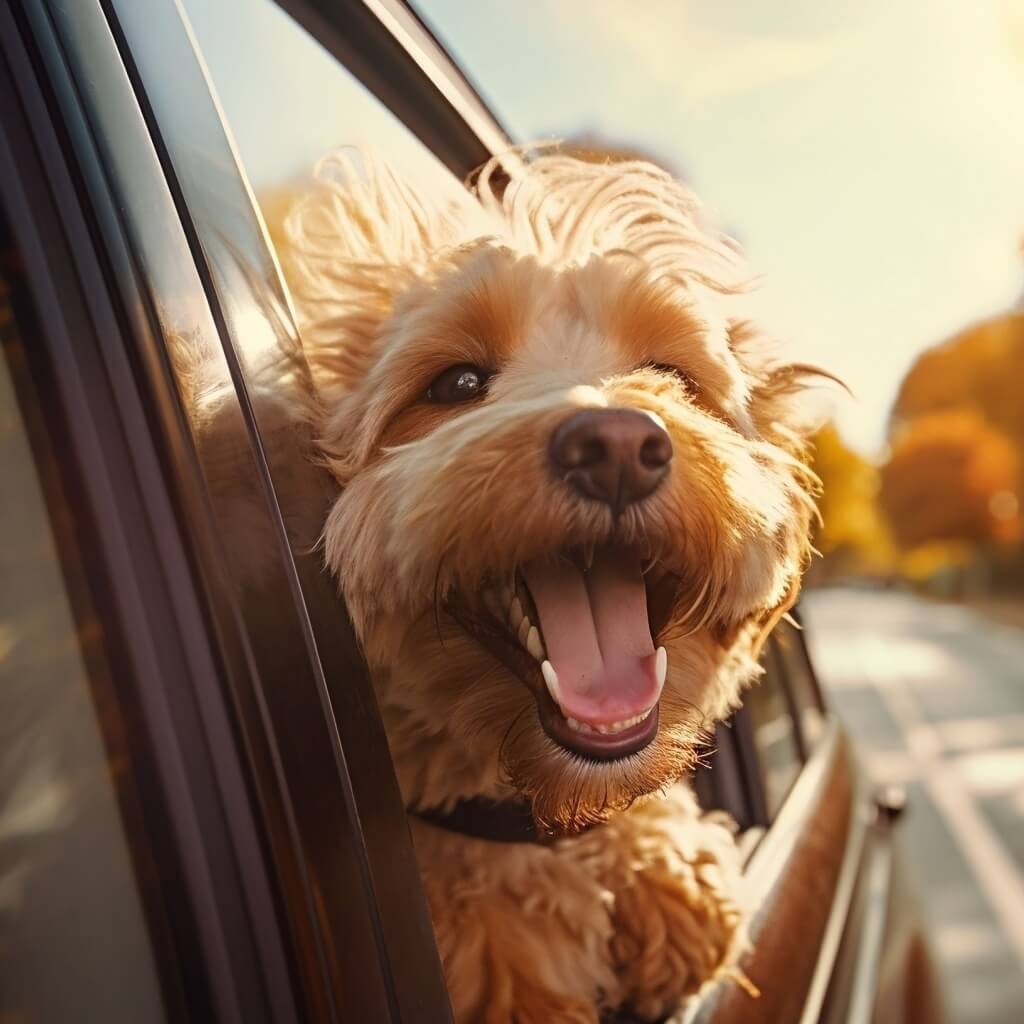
(639, 913)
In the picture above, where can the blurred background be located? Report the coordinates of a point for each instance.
(869, 156)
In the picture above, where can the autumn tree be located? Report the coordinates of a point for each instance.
(980, 369)
(952, 476)
(851, 535)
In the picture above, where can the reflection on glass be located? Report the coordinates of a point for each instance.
(288, 102)
(73, 940)
(797, 667)
(774, 737)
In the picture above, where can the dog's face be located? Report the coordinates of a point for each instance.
(569, 511)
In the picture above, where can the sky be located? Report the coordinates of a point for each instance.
(869, 155)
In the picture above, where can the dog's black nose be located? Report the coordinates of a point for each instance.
(617, 456)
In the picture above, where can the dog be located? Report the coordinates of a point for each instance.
(574, 500)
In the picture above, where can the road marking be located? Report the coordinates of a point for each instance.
(992, 866)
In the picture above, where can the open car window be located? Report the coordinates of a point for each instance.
(337, 825)
(775, 736)
(283, 122)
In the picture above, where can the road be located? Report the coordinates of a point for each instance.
(934, 695)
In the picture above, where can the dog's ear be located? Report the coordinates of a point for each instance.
(770, 619)
(356, 239)
(785, 416)
(780, 403)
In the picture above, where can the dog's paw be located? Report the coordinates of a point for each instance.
(523, 935)
(678, 924)
(678, 912)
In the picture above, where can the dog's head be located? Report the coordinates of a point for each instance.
(573, 500)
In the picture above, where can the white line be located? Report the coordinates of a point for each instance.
(993, 868)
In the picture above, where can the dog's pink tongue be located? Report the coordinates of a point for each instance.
(597, 635)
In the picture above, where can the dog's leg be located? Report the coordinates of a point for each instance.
(523, 932)
(678, 909)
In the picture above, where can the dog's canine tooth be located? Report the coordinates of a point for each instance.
(547, 670)
(524, 630)
(515, 613)
(534, 645)
(661, 666)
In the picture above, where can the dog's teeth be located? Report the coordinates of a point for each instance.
(547, 670)
(661, 667)
(515, 613)
(608, 728)
(524, 631)
(533, 644)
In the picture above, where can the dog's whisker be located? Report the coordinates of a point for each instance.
(437, 604)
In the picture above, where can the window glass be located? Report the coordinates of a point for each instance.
(775, 738)
(73, 937)
(800, 678)
(287, 112)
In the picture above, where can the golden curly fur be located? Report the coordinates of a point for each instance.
(579, 286)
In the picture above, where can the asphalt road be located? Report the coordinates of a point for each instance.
(934, 694)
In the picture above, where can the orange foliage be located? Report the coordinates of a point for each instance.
(952, 476)
(981, 368)
(852, 536)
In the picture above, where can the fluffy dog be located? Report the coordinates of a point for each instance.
(573, 503)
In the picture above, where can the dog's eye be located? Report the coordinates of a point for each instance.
(460, 383)
(673, 371)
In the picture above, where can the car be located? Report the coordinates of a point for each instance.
(199, 819)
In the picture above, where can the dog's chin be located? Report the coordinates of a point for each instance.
(576, 627)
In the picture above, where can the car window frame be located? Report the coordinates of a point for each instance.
(406, 953)
(389, 48)
(405, 947)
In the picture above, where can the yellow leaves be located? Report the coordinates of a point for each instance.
(852, 535)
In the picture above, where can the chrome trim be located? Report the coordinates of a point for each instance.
(872, 936)
(432, 59)
(842, 899)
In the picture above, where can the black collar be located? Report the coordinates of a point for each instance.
(500, 821)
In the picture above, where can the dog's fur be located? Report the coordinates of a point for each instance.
(578, 283)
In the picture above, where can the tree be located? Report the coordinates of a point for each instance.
(952, 476)
(981, 369)
(852, 536)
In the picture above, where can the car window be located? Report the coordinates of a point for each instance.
(283, 122)
(774, 733)
(341, 843)
(74, 941)
(803, 688)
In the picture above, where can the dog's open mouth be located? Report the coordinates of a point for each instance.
(578, 629)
